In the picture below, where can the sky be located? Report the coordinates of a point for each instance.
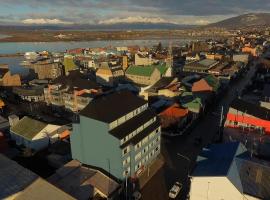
(192, 12)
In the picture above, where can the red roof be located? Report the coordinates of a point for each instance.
(201, 86)
(174, 111)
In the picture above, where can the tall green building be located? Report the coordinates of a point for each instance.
(118, 133)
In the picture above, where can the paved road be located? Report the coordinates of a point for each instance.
(177, 151)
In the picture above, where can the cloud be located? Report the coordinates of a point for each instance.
(128, 11)
(138, 19)
(45, 21)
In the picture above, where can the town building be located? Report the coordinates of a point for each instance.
(227, 171)
(174, 119)
(73, 92)
(201, 66)
(245, 115)
(207, 84)
(167, 87)
(10, 80)
(109, 73)
(118, 133)
(145, 75)
(30, 93)
(143, 59)
(69, 64)
(19, 183)
(46, 68)
(245, 58)
(96, 184)
(36, 135)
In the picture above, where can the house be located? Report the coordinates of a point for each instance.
(9, 80)
(73, 92)
(251, 50)
(143, 59)
(174, 118)
(200, 66)
(36, 135)
(245, 58)
(145, 75)
(166, 86)
(122, 129)
(192, 103)
(96, 184)
(245, 115)
(19, 183)
(214, 56)
(207, 84)
(30, 93)
(227, 171)
(46, 68)
(109, 74)
(69, 64)
(192, 57)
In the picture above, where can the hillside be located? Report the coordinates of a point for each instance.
(253, 19)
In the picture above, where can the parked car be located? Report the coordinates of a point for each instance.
(137, 195)
(174, 191)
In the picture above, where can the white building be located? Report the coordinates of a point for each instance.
(227, 172)
(34, 134)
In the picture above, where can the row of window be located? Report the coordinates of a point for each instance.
(128, 116)
(139, 155)
(126, 172)
(138, 130)
(146, 139)
(147, 157)
(143, 142)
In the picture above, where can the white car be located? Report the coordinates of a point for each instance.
(175, 190)
(137, 195)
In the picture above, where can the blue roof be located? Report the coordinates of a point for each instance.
(232, 160)
(217, 159)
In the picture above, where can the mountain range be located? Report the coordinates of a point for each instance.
(246, 20)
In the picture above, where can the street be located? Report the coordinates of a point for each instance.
(180, 153)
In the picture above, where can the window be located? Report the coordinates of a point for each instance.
(126, 161)
(126, 172)
(138, 145)
(145, 150)
(157, 149)
(125, 151)
(138, 156)
(138, 166)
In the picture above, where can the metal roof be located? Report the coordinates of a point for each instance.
(28, 127)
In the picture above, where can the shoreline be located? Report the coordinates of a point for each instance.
(86, 36)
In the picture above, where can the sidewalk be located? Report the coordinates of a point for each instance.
(150, 171)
